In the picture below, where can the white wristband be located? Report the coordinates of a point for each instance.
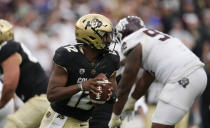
(130, 103)
(80, 87)
(114, 121)
(114, 116)
(131, 100)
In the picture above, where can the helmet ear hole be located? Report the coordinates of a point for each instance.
(91, 37)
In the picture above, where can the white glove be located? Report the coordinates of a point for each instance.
(129, 105)
(114, 121)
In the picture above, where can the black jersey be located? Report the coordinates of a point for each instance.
(33, 79)
(80, 69)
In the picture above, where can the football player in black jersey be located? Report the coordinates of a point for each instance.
(74, 72)
(23, 75)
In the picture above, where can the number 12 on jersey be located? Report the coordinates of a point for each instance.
(81, 101)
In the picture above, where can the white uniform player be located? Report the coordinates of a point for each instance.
(157, 54)
(165, 59)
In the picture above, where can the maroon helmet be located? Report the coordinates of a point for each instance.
(126, 26)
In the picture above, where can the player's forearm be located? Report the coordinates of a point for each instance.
(123, 91)
(118, 106)
(138, 93)
(142, 85)
(139, 90)
(7, 94)
(59, 93)
(122, 96)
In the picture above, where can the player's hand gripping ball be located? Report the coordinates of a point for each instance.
(105, 88)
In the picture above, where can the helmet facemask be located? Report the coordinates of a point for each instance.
(107, 39)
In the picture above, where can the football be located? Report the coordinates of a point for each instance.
(104, 87)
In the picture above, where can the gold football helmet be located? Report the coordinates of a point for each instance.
(94, 30)
(6, 31)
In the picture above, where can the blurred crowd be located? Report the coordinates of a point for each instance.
(44, 25)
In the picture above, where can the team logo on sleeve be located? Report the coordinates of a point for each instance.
(124, 46)
(184, 82)
(81, 71)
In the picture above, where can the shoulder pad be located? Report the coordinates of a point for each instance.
(7, 49)
(63, 54)
(130, 42)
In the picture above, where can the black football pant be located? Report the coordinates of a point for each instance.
(205, 105)
(101, 116)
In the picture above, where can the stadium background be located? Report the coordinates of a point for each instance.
(44, 25)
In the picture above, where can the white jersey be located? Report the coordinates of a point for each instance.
(165, 57)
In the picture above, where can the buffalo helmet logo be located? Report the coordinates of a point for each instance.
(95, 23)
(81, 71)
